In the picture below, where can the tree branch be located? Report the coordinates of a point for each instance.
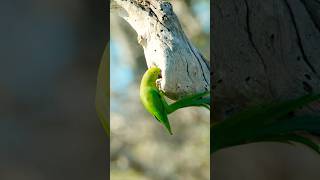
(184, 69)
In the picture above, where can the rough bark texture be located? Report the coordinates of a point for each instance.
(184, 70)
(264, 50)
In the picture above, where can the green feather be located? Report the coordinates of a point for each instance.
(154, 102)
(151, 97)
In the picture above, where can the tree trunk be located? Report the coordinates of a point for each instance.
(264, 50)
(184, 70)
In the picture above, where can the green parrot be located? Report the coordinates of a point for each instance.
(153, 99)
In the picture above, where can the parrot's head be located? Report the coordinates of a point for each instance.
(152, 75)
(155, 73)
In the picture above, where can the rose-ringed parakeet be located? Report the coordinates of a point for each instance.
(154, 102)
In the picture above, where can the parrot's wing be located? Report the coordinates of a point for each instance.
(159, 111)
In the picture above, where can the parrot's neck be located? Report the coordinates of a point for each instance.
(148, 81)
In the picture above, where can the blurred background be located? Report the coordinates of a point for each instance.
(140, 147)
(50, 52)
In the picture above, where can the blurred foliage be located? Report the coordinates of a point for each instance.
(50, 52)
(103, 91)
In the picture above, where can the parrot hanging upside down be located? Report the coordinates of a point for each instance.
(153, 100)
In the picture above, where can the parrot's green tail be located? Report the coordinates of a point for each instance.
(267, 123)
(166, 124)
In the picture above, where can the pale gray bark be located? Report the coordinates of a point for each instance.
(184, 70)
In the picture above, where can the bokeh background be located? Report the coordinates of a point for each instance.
(49, 56)
(140, 147)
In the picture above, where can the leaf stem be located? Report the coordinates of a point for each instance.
(201, 99)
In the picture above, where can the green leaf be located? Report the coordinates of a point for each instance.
(300, 123)
(200, 99)
(268, 113)
(261, 122)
